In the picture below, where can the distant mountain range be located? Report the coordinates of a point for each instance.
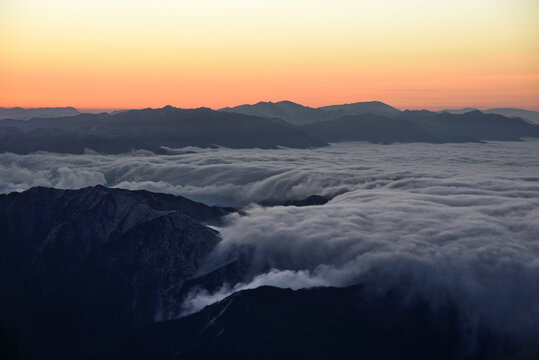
(289, 111)
(19, 113)
(300, 115)
(361, 108)
(422, 126)
(264, 125)
(532, 116)
(149, 129)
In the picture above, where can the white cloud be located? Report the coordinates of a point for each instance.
(239, 177)
(479, 251)
(456, 221)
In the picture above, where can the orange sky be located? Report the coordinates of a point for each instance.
(186, 53)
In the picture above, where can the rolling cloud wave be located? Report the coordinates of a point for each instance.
(455, 222)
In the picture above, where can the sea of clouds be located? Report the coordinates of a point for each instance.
(239, 177)
(456, 222)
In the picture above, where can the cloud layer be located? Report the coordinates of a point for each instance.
(240, 177)
(454, 222)
(478, 249)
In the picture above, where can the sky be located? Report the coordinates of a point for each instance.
(112, 54)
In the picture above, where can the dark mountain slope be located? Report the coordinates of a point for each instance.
(70, 142)
(361, 108)
(18, 113)
(168, 127)
(474, 124)
(82, 268)
(168, 202)
(286, 110)
(151, 129)
(423, 126)
(529, 115)
(90, 273)
(301, 115)
(318, 323)
(532, 116)
(376, 129)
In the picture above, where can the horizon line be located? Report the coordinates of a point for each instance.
(436, 108)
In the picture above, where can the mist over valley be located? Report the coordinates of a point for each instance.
(438, 240)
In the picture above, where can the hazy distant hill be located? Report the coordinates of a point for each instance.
(158, 129)
(65, 141)
(532, 116)
(18, 113)
(360, 108)
(474, 124)
(423, 126)
(373, 128)
(149, 129)
(300, 115)
(286, 110)
(459, 111)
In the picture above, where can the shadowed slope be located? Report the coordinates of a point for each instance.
(150, 129)
(317, 323)
(423, 126)
(83, 268)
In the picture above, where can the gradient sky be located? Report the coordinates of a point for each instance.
(191, 53)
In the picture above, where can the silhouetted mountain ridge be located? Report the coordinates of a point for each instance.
(18, 113)
(83, 268)
(361, 108)
(300, 115)
(531, 116)
(286, 110)
(423, 126)
(157, 130)
(151, 129)
(317, 323)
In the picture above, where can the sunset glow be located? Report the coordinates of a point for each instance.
(134, 54)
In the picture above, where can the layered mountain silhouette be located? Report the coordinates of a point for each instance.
(360, 108)
(380, 123)
(149, 129)
(263, 125)
(81, 269)
(291, 112)
(18, 113)
(423, 126)
(21, 141)
(531, 116)
(300, 115)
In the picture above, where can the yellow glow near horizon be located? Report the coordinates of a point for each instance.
(133, 53)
